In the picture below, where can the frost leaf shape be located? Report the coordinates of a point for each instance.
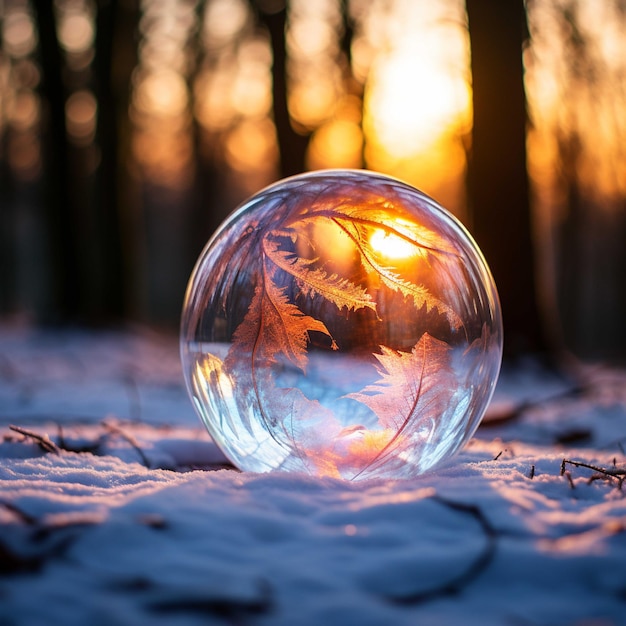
(340, 291)
(420, 295)
(275, 331)
(273, 325)
(272, 328)
(311, 429)
(395, 222)
(412, 385)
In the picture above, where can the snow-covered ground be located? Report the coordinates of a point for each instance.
(116, 507)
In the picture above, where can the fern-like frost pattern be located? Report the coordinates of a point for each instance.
(401, 327)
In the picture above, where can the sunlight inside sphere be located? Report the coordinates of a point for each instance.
(341, 323)
(392, 246)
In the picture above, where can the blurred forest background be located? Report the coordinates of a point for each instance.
(130, 128)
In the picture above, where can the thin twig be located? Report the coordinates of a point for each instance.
(600, 472)
(131, 440)
(24, 517)
(42, 440)
(606, 477)
(65, 445)
(609, 472)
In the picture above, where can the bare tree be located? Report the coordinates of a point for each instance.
(498, 180)
(84, 215)
(291, 145)
(114, 60)
(63, 237)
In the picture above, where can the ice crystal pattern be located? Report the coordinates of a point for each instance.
(341, 323)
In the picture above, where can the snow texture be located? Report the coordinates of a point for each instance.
(116, 507)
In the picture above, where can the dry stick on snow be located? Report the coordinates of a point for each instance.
(92, 448)
(42, 440)
(131, 440)
(28, 519)
(570, 480)
(605, 477)
(618, 474)
(46, 542)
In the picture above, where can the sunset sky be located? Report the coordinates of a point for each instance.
(407, 109)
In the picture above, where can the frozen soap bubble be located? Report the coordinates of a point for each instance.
(341, 323)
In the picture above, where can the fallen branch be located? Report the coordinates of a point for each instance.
(131, 440)
(63, 444)
(43, 543)
(42, 440)
(614, 472)
(28, 519)
(570, 480)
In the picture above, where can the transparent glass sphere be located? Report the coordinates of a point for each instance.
(341, 323)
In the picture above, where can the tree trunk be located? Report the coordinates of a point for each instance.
(115, 58)
(500, 212)
(291, 145)
(61, 219)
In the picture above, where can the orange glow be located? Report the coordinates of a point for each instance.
(313, 95)
(19, 37)
(333, 243)
(80, 112)
(337, 143)
(410, 106)
(161, 93)
(24, 112)
(223, 21)
(251, 93)
(391, 246)
(315, 80)
(164, 157)
(369, 444)
(596, 117)
(410, 58)
(438, 171)
(24, 155)
(214, 108)
(76, 31)
(250, 144)
(417, 103)
(354, 450)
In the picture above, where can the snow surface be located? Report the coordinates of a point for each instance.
(116, 507)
